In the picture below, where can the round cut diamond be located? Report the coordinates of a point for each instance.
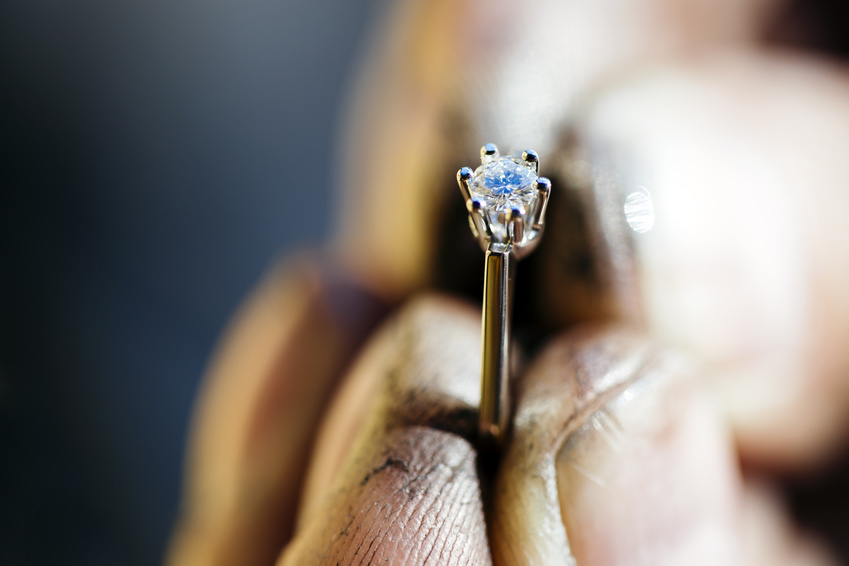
(502, 184)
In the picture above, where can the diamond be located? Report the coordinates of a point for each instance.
(502, 184)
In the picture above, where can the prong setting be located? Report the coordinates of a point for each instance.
(506, 200)
(464, 176)
(543, 186)
(530, 157)
(489, 152)
(517, 224)
(481, 229)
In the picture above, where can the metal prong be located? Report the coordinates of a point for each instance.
(464, 177)
(503, 219)
(528, 246)
(489, 151)
(530, 157)
(474, 205)
(484, 232)
(499, 227)
(473, 228)
(517, 225)
(543, 185)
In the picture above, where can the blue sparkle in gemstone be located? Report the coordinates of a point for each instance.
(505, 180)
(503, 177)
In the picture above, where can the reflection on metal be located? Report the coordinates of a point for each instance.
(639, 211)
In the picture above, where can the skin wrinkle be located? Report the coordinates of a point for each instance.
(441, 531)
(402, 515)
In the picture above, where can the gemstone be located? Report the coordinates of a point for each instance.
(504, 183)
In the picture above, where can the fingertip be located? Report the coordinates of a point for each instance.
(617, 458)
(394, 476)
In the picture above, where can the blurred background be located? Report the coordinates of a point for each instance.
(151, 152)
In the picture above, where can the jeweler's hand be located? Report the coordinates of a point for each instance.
(615, 444)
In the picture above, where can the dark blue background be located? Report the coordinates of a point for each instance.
(157, 155)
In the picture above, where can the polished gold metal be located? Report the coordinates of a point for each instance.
(495, 371)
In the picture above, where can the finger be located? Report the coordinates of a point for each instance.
(444, 77)
(615, 460)
(257, 412)
(404, 489)
(747, 260)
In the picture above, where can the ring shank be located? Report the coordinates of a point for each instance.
(497, 299)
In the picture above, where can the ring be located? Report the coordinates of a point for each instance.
(506, 200)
